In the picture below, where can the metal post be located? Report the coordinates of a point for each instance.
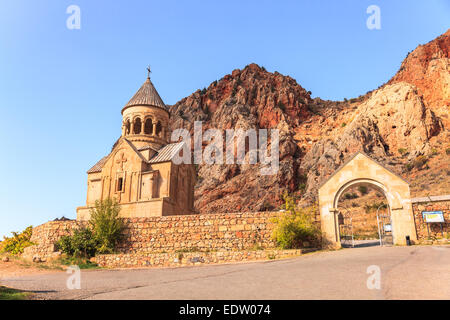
(353, 239)
(378, 223)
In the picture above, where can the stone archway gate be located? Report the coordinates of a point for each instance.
(361, 169)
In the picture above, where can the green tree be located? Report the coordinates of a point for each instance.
(101, 235)
(106, 225)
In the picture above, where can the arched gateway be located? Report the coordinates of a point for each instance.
(360, 169)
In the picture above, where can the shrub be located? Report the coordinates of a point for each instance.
(267, 206)
(294, 226)
(82, 244)
(101, 235)
(302, 187)
(447, 151)
(372, 207)
(106, 225)
(402, 151)
(417, 163)
(363, 190)
(17, 242)
(348, 196)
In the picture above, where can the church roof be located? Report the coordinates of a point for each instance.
(167, 152)
(146, 96)
(147, 147)
(98, 166)
(164, 154)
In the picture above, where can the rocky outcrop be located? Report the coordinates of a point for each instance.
(251, 94)
(428, 68)
(394, 118)
(317, 136)
(251, 98)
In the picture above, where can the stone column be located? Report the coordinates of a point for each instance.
(154, 128)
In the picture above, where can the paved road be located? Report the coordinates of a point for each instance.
(419, 272)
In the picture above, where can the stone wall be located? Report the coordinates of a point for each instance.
(207, 233)
(45, 236)
(174, 259)
(199, 232)
(432, 203)
(170, 234)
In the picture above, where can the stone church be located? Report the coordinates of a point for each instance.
(139, 172)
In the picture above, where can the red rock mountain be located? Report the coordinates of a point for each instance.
(403, 124)
(428, 68)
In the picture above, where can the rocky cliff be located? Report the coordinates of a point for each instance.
(397, 124)
(428, 68)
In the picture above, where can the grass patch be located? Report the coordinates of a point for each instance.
(13, 294)
(82, 263)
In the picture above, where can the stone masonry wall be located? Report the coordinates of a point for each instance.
(199, 232)
(174, 259)
(437, 203)
(205, 232)
(45, 236)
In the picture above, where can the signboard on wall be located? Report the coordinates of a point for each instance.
(433, 216)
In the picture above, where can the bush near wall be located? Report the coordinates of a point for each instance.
(102, 235)
(295, 226)
(18, 242)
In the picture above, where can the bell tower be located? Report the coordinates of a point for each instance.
(145, 118)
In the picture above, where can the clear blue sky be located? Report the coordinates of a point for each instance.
(61, 90)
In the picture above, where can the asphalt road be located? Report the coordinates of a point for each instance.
(418, 272)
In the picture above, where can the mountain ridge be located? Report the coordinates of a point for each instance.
(396, 124)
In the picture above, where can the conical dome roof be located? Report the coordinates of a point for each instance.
(146, 96)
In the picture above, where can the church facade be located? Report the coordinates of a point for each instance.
(139, 172)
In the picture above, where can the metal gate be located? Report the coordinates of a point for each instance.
(346, 230)
(385, 228)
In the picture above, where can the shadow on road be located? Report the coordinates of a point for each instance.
(363, 244)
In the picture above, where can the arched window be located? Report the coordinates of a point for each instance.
(137, 126)
(158, 129)
(127, 127)
(148, 127)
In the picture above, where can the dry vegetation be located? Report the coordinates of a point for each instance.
(362, 207)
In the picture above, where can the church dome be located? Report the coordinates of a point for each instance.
(146, 118)
(146, 96)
